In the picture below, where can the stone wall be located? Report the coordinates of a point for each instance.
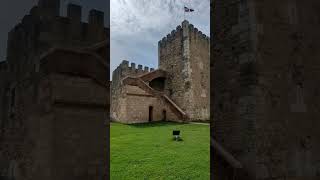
(170, 60)
(79, 107)
(78, 90)
(25, 122)
(53, 118)
(232, 79)
(200, 73)
(117, 88)
(137, 103)
(264, 81)
(184, 54)
(288, 83)
(132, 106)
(75, 144)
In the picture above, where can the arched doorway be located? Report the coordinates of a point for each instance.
(158, 83)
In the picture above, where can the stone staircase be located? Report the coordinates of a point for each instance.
(153, 74)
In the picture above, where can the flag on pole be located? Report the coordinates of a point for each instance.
(186, 9)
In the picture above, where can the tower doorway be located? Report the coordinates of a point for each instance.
(164, 115)
(150, 113)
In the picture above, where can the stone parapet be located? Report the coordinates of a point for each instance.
(132, 70)
(171, 36)
(174, 33)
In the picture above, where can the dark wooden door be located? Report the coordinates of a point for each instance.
(150, 113)
(164, 112)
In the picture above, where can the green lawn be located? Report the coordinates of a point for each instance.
(147, 151)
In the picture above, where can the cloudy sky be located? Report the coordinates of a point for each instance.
(138, 25)
(12, 12)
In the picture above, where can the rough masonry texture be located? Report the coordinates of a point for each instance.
(265, 82)
(178, 90)
(54, 96)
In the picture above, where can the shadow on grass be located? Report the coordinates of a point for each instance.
(177, 140)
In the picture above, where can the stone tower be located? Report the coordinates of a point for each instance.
(184, 54)
(43, 49)
(266, 88)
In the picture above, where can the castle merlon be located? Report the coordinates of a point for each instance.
(68, 27)
(174, 33)
(169, 37)
(124, 66)
(74, 12)
(133, 65)
(197, 33)
(96, 17)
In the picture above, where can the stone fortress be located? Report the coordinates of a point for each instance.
(177, 91)
(54, 93)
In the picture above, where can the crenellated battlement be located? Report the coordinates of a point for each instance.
(43, 29)
(96, 17)
(193, 33)
(70, 29)
(51, 8)
(170, 37)
(74, 12)
(125, 69)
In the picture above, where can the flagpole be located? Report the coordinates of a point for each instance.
(184, 12)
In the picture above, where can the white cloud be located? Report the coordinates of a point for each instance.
(138, 25)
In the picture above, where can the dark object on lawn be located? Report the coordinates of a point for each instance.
(176, 134)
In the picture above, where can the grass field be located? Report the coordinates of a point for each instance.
(147, 151)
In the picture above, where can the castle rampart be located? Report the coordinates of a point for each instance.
(35, 34)
(125, 70)
(198, 36)
(193, 32)
(65, 28)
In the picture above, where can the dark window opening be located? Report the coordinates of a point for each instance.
(187, 85)
(158, 83)
(150, 113)
(170, 92)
